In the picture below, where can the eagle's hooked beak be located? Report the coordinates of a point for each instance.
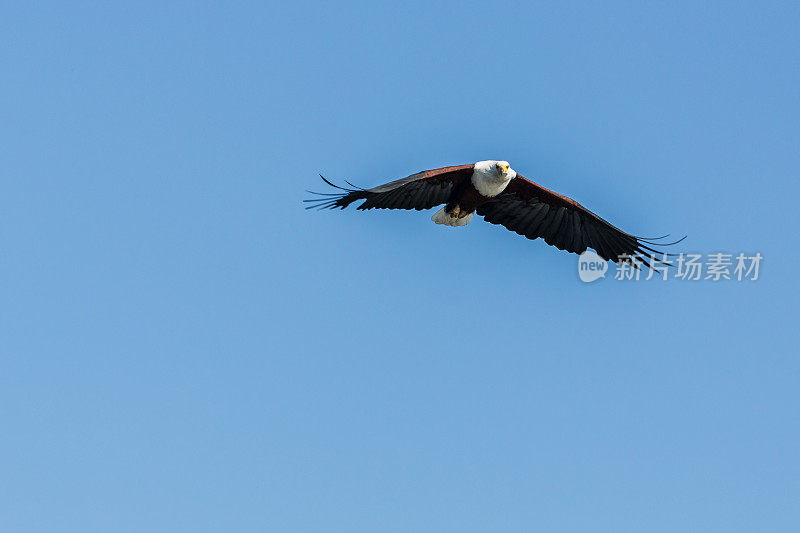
(503, 168)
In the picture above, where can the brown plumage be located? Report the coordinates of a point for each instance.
(522, 206)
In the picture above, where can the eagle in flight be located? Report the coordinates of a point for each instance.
(495, 191)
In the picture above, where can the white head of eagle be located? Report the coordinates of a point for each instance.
(491, 177)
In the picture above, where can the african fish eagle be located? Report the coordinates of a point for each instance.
(495, 191)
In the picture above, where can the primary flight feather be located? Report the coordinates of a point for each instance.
(493, 190)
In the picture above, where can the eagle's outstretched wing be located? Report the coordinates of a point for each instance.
(534, 211)
(422, 190)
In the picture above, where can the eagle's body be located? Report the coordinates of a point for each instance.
(484, 184)
(495, 191)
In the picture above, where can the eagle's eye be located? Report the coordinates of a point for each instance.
(502, 168)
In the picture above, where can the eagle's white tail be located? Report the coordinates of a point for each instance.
(441, 217)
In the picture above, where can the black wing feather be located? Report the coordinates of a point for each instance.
(422, 190)
(533, 211)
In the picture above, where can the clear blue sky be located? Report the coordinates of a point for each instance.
(184, 348)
